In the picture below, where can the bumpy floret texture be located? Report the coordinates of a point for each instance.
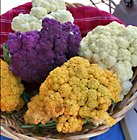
(50, 5)
(69, 124)
(34, 54)
(10, 91)
(36, 107)
(62, 16)
(26, 22)
(73, 92)
(40, 10)
(113, 47)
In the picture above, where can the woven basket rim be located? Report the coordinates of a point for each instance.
(129, 101)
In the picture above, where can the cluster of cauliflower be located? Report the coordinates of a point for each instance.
(113, 47)
(73, 92)
(45, 46)
(35, 53)
(10, 90)
(41, 9)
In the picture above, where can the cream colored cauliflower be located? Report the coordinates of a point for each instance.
(38, 12)
(41, 9)
(25, 22)
(72, 92)
(50, 5)
(62, 16)
(113, 47)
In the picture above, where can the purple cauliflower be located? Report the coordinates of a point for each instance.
(35, 53)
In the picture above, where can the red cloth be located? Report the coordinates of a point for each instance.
(86, 17)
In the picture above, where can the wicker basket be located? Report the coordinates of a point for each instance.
(10, 123)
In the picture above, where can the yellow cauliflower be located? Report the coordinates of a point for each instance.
(11, 90)
(73, 92)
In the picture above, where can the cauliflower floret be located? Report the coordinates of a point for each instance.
(71, 107)
(126, 86)
(113, 47)
(73, 91)
(50, 5)
(85, 111)
(11, 90)
(124, 70)
(101, 117)
(62, 16)
(54, 104)
(36, 111)
(69, 124)
(26, 22)
(38, 12)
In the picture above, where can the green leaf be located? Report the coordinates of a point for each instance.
(27, 126)
(48, 124)
(6, 54)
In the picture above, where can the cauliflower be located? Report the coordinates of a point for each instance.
(69, 124)
(36, 114)
(11, 90)
(101, 117)
(38, 12)
(25, 22)
(34, 54)
(41, 9)
(62, 16)
(73, 92)
(113, 47)
(50, 5)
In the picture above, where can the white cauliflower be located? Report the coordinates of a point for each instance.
(25, 22)
(50, 5)
(67, 16)
(113, 47)
(39, 12)
(40, 9)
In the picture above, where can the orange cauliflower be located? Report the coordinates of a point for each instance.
(69, 124)
(101, 117)
(37, 111)
(73, 92)
(11, 90)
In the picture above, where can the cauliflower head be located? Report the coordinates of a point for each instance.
(11, 90)
(35, 53)
(40, 10)
(73, 92)
(113, 47)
